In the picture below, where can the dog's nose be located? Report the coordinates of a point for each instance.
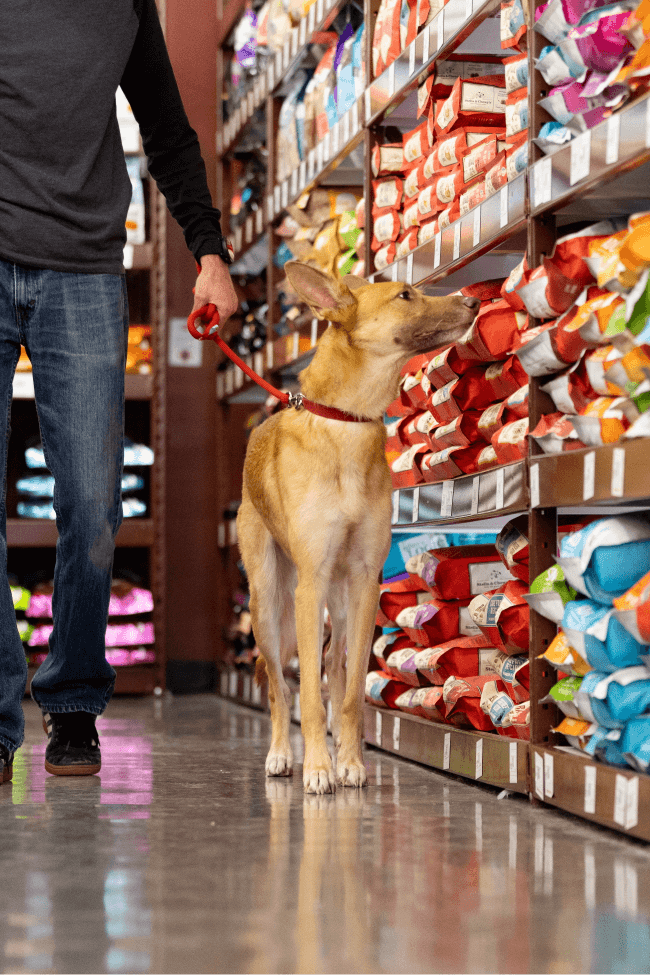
(473, 303)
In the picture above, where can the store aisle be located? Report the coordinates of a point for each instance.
(181, 857)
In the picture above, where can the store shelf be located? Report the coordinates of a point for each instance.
(615, 797)
(484, 757)
(242, 688)
(482, 229)
(446, 32)
(248, 235)
(611, 473)
(620, 143)
(33, 533)
(499, 491)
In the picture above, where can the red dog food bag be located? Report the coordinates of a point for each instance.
(486, 459)
(512, 546)
(416, 144)
(477, 159)
(434, 622)
(427, 230)
(440, 466)
(395, 595)
(555, 434)
(448, 216)
(442, 403)
(432, 705)
(517, 403)
(472, 197)
(516, 723)
(415, 181)
(405, 470)
(503, 616)
(412, 215)
(546, 292)
(570, 252)
(494, 334)
(468, 100)
(441, 371)
(386, 644)
(463, 657)
(386, 228)
(418, 429)
(387, 194)
(511, 441)
(459, 572)
(400, 664)
(376, 680)
(504, 378)
(515, 278)
(461, 432)
(407, 242)
(537, 353)
(462, 697)
(514, 672)
(388, 159)
(392, 690)
(496, 175)
(571, 390)
(385, 256)
(491, 420)
(632, 609)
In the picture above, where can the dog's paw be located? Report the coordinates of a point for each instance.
(318, 781)
(279, 763)
(351, 773)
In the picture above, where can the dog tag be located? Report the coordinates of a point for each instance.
(479, 759)
(548, 775)
(580, 157)
(446, 750)
(589, 476)
(618, 472)
(447, 500)
(476, 484)
(514, 764)
(257, 693)
(416, 505)
(409, 269)
(456, 241)
(499, 488)
(590, 789)
(436, 251)
(378, 728)
(232, 679)
(477, 227)
(396, 732)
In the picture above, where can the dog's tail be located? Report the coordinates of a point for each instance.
(261, 676)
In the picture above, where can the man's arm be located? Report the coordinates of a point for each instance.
(174, 158)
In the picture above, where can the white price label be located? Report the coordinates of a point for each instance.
(469, 9)
(446, 750)
(327, 144)
(256, 695)
(285, 193)
(368, 104)
(477, 227)
(329, 715)
(302, 179)
(319, 10)
(447, 500)
(503, 207)
(320, 153)
(476, 484)
(247, 687)
(409, 269)
(258, 362)
(269, 355)
(249, 230)
(270, 208)
(456, 254)
(514, 763)
(416, 505)
(294, 183)
(346, 128)
(378, 728)
(396, 731)
(534, 485)
(232, 683)
(277, 199)
(302, 34)
(590, 789)
(411, 59)
(311, 164)
(632, 804)
(436, 250)
(589, 476)
(270, 76)
(355, 118)
(500, 485)
(618, 472)
(393, 271)
(478, 765)
(613, 138)
(314, 332)
(542, 181)
(580, 157)
(620, 800)
(425, 45)
(391, 80)
(311, 19)
(539, 775)
(441, 28)
(336, 142)
(395, 518)
(223, 683)
(259, 220)
(286, 54)
(548, 775)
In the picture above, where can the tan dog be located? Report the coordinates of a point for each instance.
(314, 523)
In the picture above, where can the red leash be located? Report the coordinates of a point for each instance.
(209, 314)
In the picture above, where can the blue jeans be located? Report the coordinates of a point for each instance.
(75, 329)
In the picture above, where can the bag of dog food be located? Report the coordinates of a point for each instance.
(546, 292)
(516, 72)
(537, 353)
(460, 657)
(376, 681)
(555, 433)
(635, 742)
(514, 671)
(405, 469)
(494, 334)
(516, 111)
(512, 546)
(385, 256)
(446, 367)
(476, 159)
(511, 441)
(502, 616)
(596, 634)
(388, 160)
(395, 595)
(491, 420)
(633, 609)
(495, 703)
(604, 420)
(550, 593)
(472, 197)
(516, 155)
(604, 559)
(571, 391)
(400, 663)
(461, 432)
(432, 705)
(386, 644)
(462, 697)
(509, 288)
(473, 102)
(611, 700)
(387, 194)
(434, 622)
(407, 243)
(564, 694)
(427, 230)
(416, 144)
(386, 228)
(517, 403)
(451, 462)
(560, 654)
(459, 572)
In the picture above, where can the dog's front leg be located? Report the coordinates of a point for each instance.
(362, 613)
(318, 774)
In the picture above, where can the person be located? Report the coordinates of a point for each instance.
(64, 196)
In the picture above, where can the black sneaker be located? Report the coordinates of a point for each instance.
(73, 744)
(6, 764)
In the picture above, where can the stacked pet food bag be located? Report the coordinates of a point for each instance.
(599, 596)
(597, 58)
(324, 228)
(128, 641)
(454, 645)
(472, 139)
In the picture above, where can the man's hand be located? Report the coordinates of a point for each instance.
(214, 287)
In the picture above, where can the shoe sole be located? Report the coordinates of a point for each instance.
(70, 769)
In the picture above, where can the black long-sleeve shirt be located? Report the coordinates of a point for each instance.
(64, 186)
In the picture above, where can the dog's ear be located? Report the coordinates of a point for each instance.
(329, 298)
(353, 281)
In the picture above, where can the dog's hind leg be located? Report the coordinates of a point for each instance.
(271, 580)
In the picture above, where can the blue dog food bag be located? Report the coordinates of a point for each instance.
(594, 632)
(635, 742)
(606, 557)
(611, 700)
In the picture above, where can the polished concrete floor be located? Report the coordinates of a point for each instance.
(181, 857)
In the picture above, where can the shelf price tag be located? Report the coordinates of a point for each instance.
(416, 505)
(368, 104)
(285, 193)
(446, 750)
(539, 775)
(396, 733)
(258, 362)
(456, 253)
(500, 485)
(503, 207)
(327, 145)
(319, 10)
(393, 271)
(613, 138)
(580, 157)
(311, 19)
(395, 518)
(478, 764)
(542, 180)
(436, 252)
(447, 500)
(249, 230)
(269, 355)
(302, 35)
(294, 43)
(618, 472)
(294, 182)
(259, 220)
(548, 775)
(296, 707)
(256, 697)
(620, 799)
(311, 164)
(409, 269)
(391, 79)
(590, 789)
(411, 59)
(270, 76)
(378, 728)
(232, 683)
(477, 227)
(320, 152)
(355, 118)
(513, 763)
(303, 175)
(441, 29)
(632, 803)
(346, 128)
(277, 201)
(476, 484)
(589, 476)
(247, 687)
(534, 485)
(425, 46)
(469, 9)
(296, 345)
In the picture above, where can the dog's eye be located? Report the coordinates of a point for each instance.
(406, 295)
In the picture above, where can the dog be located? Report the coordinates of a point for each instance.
(314, 525)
